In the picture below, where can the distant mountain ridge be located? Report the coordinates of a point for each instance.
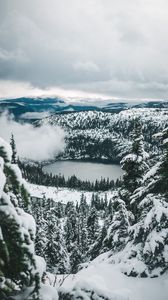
(31, 108)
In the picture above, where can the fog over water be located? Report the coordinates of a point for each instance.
(84, 170)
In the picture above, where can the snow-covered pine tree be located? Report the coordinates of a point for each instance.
(93, 225)
(82, 226)
(17, 232)
(146, 252)
(162, 185)
(75, 258)
(134, 164)
(83, 239)
(41, 235)
(83, 206)
(24, 201)
(71, 226)
(56, 253)
(76, 235)
(118, 226)
(97, 247)
(14, 151)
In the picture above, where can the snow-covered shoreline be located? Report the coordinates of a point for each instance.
(63, 195)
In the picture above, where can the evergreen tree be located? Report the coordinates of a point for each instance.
(14, 152)
(83, 206)
(93, 200)
(17, 259)
(75, 258)
(84, 239)
(134, 164)
(92, 225)
(118, 226)
(162, 184)
(82, 226)
(97, 247)
(41, 235)
(55, 252)
(148, 238)
(24, 201)
(145, 252)
(71, 226)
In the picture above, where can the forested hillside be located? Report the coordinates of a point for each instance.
(107, 136)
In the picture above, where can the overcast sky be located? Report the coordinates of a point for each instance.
(117, 48)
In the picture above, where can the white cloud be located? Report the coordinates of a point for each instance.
(14, 89)
(41, 143)
(34, 115)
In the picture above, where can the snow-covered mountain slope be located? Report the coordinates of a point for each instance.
(104, 135)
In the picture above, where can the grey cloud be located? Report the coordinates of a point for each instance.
(86, 66)
(117, 48)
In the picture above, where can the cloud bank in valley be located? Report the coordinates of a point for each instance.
(41, 143)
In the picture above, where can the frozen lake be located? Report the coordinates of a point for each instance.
(84, 170)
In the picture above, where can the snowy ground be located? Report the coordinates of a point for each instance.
(100, 276)
(61, 194)
(108, 279)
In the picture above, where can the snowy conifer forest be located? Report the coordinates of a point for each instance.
(94, 241)
(83, 150)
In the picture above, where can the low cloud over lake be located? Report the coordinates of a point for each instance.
(41, 143)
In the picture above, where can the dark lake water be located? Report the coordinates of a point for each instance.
(84, 170)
